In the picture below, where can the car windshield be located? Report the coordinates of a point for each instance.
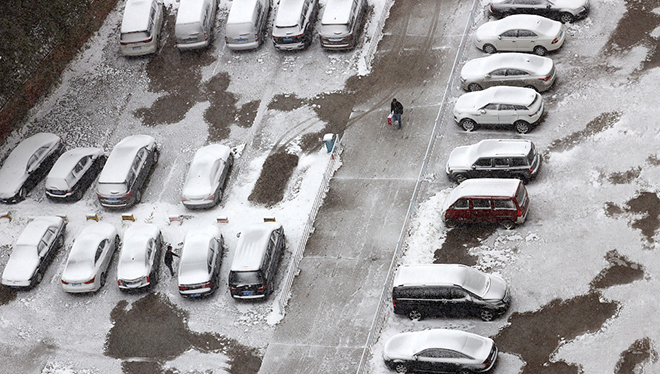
(476, 282)
(530, 155)
(239, 278)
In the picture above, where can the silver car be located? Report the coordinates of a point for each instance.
(207, 176)
(139, 257)
(499, 106)
(508, 69)
(521, 33)
(440, 350)
(73, 173)
(201, 258)
(561, 10)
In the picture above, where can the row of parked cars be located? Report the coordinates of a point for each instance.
(121, 175)
(292, 29)
(252, 272)
(504, 90)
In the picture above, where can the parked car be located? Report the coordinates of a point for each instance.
(521, 33)
(139, 258)
(494, 158)
(86, 267)
(201, 258)
(122, 178)
(27, 164)
(448, 289)
(499, 106)
(207, 176)
(440, 351)
(255, 261)
(508, 69)
(193, 28)
(561, 10)
(293, 28)
(341, 24)
(246, 24)
(140, 27)
(33, 252)
(487, 200)
(73, 173)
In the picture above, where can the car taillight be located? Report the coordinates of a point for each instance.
(531, 169)
(127, 195)
(546, 78)
(148, 279)
(210, 197)
(206, 37)
(519, 213)
(63, 282)
(207, 285)
(90, 281)
(148, 40)
(263, 287)
(394, 303)
(233, 288)
(182, 288)
(555, 41)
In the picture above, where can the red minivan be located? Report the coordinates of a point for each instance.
(489, 200)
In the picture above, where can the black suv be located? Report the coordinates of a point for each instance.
(562, 10)
(494, 158)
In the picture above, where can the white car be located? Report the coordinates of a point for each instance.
(207, 176)
(499, 106)
(508, 69)
(33, 252)
(27, 164)
(561, 10)
(73, 173)
(440, 350)
(201, 257)
(139, 257)
(521, 33)
(86, 267)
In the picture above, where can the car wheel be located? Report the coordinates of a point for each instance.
(540, 50)
(138, 196)
(450, 223)
(474, 87)
(22, 194)
(78, 195)
(60, 241)
(460, 178)
(566, 18)
(415, 315)
(117, 242)
(102, 280)
(532, 87)
(489, 48)
(486, 315)
(522, 127)
(39, 277)
(468, 124)
(400, 367)
(507, 224)
(154, 156)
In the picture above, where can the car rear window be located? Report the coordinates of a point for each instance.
(531, 155)
(135, 37)
(238, 278)
(111, 188)
(503, 204)
(521, 195)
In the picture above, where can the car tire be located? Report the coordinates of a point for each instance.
(540, 50)
(486, 315)
(22, 194)
(566, 18)
(522, 127)
(450, 223)
(474, 87)
(468, 124)
(138, 197)
(400, 367)
(154, 156)
(489, 48)
(77, 195)
(117, 242)
(39, 277)
(60, 242)
(102, 282)
(460, 178)
(415, 315)
(507, 224)
(532, 87)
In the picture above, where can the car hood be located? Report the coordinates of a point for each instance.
(467, 102)
(458, 158)
(10, 182)
(497, 288)
(21, 266)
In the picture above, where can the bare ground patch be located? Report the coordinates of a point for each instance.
(275, 173)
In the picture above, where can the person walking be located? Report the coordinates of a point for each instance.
(169, 257)
(397, 110)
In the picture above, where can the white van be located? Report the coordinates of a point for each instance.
(194, 23)
(140, 27)
(341, 23)
(246, 24)
(293, 28)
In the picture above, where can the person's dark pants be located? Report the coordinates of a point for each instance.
(396, 117)
(169, 266)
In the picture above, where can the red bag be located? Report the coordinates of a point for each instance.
(389, 119)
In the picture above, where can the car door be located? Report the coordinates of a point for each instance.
(458, 301)
(461, 210)
(488, 115)
(151, 254)
(433, 360)
(507, 41)
(495, 78)
(501, 166)
(48, 242)
(507, 114)
(515, 77)
(527, 40)
(100, 256)
(482, 168)
(481, 210)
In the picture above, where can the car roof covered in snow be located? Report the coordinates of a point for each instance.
(196, 243)
(337, 12)
(531, 22)
(136, 16)
(288, 13)
(19, 157)
(430, 274)
(136, 237)
(190, 11)
(467, 155)
(251, 247)
(496, 95)
(241, 11)
(85, 244)
(35, 230)
(409, 343)
(121, 158)
(69, 159)
(477, 67)
(483, 187)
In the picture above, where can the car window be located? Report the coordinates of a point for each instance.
(498, 72)
(99, 250)
(432, 353)
(34, 159)
(150, 249)
(42, 248)
(509, 34)
(461, 204)
(490, 107)
(526, 34)
(483, 162)
(507, 107)
(209, 260)
(215, 171)
(80, 166)
(501, 162)
(516, 72)
(48, 236)
(481, 204)
(521, 107)
(457, 293)
(504, 204)
(519, 161)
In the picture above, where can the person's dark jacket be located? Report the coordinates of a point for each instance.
(396, 107)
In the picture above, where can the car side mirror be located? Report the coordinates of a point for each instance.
(238, 234)
(474, 167)
(482, 111)
(415, 357)
(487, 76)
(499, 37)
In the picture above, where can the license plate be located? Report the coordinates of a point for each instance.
(138, 47)
(335, 39)
(76, 284)
(196, 295)
(15, 287)
(113, 199)
(287, 39)
(191, 40)
(241, 40)
(248, 293)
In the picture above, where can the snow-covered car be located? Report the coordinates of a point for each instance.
(193, 28)
(140, 27)
(201, 257)
(508, 69)
(440, 350)
(561, 10)
(139, 257)
(293, 28)
(207, 176)
(73, 173)
(521, 33)
(499, 106)
(494, 158)
(27, 164)
(448, 290)
(246, 24)
(33, 252)
(341, 24)
(86, 267)
(121, 181)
